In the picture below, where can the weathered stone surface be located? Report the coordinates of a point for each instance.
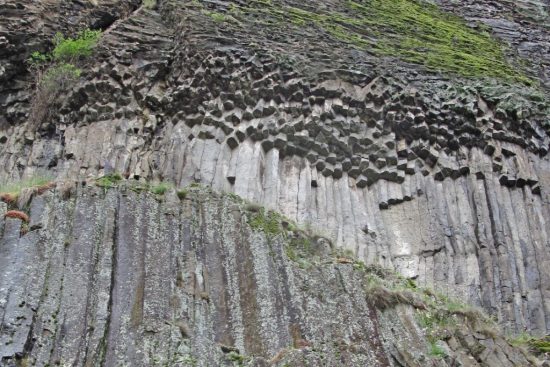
(450, 175)
(116, 277)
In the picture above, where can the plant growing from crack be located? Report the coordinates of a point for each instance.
(57, 70)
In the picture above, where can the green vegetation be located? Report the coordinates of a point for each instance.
(436, 351)
(57, 70)
(187, 360)
(161, 188)
(236, 198)
(59, 76)
(14, 188)
(412, 30)
(109, 181)
(67, 50)
(182, 194)
(236, 358)
(534, 344)
(72, 49)
(421, 33)
(268, 222)
(217, 17)
(299, 248)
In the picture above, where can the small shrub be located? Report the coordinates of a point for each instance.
(59, 76)
(56, 71)
(37, 59)
(17, 214)
(72, 49)
(182, 194)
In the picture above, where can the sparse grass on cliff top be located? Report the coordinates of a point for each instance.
(16, 186)
(536, 345)
(11, 191)
(411, 30)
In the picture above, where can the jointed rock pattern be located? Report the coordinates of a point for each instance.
(441, 177)
(119, 278)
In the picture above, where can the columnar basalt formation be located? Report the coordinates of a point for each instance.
(440, 174)
(120, 277)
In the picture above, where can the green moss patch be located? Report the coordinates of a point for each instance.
(411, 30)
(268, 222)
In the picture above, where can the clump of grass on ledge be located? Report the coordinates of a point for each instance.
(536, 345)
(182, 194)
(436, 351)
(161, 188)
(108, 181)
(11, 192)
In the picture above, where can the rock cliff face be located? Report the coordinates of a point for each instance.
(122, 278)
(397, 130)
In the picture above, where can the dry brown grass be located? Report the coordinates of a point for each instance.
(384, 298)
(18, 215)
(39, 190)
(8, 198)
(66, 189)
(278, 357)
(20, 193)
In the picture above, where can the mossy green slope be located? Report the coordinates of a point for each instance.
(409, 30)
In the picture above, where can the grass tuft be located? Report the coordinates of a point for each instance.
(182, 194)
(268, 222)
(10, 193)
(14, 188)
(109, 181)
(161, 188)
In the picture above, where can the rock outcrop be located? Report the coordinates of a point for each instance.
(121, 277)
(427, 157)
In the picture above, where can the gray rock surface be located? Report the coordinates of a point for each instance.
(118, 277)
(443, 178)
